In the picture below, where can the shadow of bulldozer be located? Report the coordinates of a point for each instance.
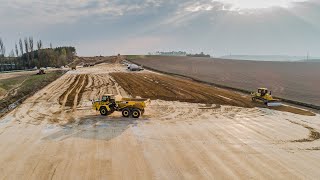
(94, 127)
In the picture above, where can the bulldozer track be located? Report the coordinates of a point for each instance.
(313, 133)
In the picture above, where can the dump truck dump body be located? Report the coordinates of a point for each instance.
(132, 103)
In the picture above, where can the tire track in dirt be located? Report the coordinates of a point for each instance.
(172, 111)
(56, 90)
(82, 90)
(259, 162)
(36, 108)
(73, 97)
(64, 96)
(313, 133)
(231, 146)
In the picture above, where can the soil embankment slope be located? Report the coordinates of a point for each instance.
(159, 86)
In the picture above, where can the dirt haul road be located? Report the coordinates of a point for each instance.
(55, 135)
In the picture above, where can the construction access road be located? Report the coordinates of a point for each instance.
(56, 135)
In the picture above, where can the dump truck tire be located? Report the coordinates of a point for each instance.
(136, 113)
(253, 99)
(103, 111)
(125, 112)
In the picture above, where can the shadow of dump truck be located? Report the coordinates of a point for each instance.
(93, 127)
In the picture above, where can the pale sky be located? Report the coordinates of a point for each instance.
(218, 27)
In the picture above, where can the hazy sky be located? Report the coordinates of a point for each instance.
(219, 27)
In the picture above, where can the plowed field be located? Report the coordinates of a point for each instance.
(298, 81)
(158, 86)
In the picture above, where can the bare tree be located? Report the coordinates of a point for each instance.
(2, 53)
(39, 45)
(31, 48)
(11, 58)
(16, 50)
(21, 51)
(17, 55)
(26, 46)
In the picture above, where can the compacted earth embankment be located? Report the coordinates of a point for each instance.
(165, 87)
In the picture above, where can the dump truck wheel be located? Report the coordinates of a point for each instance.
(103, 111)
(125, 112)
(253, 99)
(136, 113)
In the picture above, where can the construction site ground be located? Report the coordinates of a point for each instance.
(183, 134)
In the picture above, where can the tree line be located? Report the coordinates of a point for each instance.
(199, 55)
(28, 54)
(180, 53)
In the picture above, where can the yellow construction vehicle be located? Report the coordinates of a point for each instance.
(264, 95)
(128, 106)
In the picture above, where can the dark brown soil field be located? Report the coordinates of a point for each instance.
(298, 81)
(165, 87)
(80, 61)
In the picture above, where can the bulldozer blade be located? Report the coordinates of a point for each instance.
(274, 104)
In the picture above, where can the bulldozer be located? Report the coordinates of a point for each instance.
(130, 107)
(264, 95)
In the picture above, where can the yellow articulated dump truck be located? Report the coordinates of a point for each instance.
(130, 107)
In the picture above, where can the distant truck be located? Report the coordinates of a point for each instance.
(134, 67)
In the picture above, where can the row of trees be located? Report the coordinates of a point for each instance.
(26, 56)
(199, 55)
(179, 53)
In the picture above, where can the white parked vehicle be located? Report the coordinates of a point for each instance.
(134, 67)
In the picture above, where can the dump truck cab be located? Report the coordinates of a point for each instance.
(263, 92)
(108, 98)
(106, 105)
(264, 95)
